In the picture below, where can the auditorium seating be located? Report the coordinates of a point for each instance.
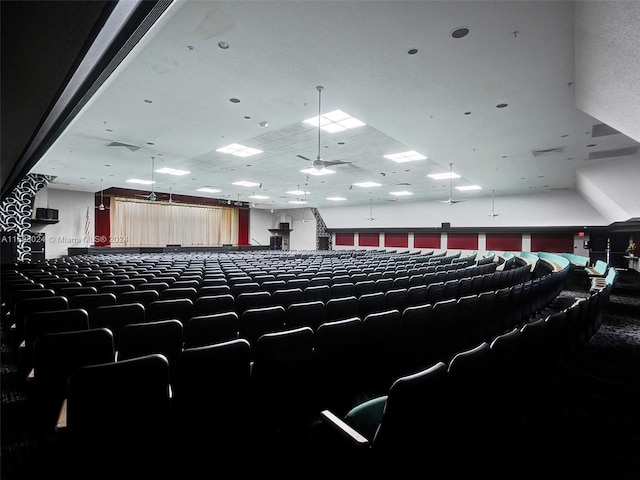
(342, 348)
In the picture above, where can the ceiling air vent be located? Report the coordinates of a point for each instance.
(133, 148)
(547, 151)
(618, 152)
(603, 130)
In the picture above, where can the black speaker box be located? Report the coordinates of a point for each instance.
(52, 214)
(446, 225)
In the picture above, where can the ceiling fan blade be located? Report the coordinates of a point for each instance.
(335, 162)
(304, 158)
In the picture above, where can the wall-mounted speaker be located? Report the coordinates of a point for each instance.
(446, 225)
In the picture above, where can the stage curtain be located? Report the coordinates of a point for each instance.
(140, 223)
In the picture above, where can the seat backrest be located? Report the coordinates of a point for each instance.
(286, 296)
(126, 400)
(90, 301)
(305, 314)
(139, 339)
(317, 292)
(249, 300)
(208, 329)
(412, 407)
(210, 304)
(173, 308)
(115, 317)
(179, 292)
(55, 357)
(341, 308)
(144, 297)
(255, 322)
(370, 303)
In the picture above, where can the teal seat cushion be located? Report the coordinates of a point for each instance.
(365, 418)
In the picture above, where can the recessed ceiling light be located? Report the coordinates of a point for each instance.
(469, 187)
(223, 45)
(234, 100)
(298, 192)
(142, 182)
(208, 190)
(443, 176)
(401, 193)
(298, 202)
(367, 184)
(108, 130)
(336, 199)
(460, 32)
(317, 171)
(335, 121)
(245, 183)
(467, 113)
(259, 197)
(413, 51)
(239, 150)
(502, 105)
(409, 156)
(264, 124)
(172, 171)
(146, 100)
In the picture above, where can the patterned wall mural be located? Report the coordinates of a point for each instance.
(16, 210)
(321, 229)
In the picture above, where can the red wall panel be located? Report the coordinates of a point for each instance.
(504, 242)
(396, 240)
(243, 226)
(344, 239)
(426, 240)
(554, 243)
(462, 241)
(369, 240)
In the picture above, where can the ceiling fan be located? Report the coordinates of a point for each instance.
(450, 200)
(319, 163)
(152, 196)
(101, 207)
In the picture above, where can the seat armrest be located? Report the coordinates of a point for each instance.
(342, 428)
(61, 424)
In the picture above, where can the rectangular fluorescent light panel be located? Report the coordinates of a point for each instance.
(401, 193)
(335, 121)
(317, 171)
(298, 202)
(259, 197)
(172, 171)
(367, 184)
(469, 187)
(208, 190)
(442, 176)
(244, 183)
(409, 156)
(336, 199)
(239, 150)
(141, 182)
(298, 192)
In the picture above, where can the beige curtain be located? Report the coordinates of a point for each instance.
(140, 223)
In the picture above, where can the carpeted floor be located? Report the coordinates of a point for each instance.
(586, 426)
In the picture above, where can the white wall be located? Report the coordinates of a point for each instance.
(72, 210)
(558, 208)
(302, 237)
(607, 63)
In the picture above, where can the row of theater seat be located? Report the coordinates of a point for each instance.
(412, 357)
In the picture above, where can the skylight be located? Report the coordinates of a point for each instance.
(367, 184)
(317, 171)
(442, 176)
(209, 190)
(141, 182)
(172, 171)
(469, 187)
(401, 193)
(245, 183)
(335, 121)
(239, 150)
(409, 156)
